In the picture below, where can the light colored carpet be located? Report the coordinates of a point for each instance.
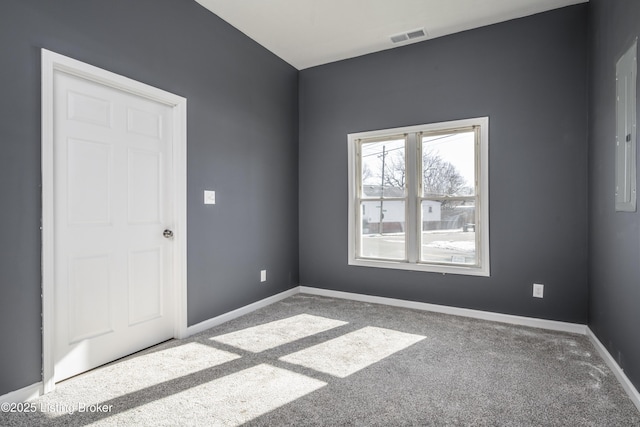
(311, 360)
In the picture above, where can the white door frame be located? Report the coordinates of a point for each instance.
(51, 63)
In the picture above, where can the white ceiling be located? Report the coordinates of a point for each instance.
(306, 33)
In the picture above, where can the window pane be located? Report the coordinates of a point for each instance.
(448, 164)
(448, 232)
(383, 168)
(383, 229)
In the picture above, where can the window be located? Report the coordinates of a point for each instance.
(418, 198)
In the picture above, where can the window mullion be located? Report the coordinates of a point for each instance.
(419, 195)
(412, 215)
(357, 199)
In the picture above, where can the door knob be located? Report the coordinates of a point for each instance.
(167, 233)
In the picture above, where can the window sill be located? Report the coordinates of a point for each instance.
(430, 268)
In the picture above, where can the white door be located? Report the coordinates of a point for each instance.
(113, 266)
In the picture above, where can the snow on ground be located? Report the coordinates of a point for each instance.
(460, 246)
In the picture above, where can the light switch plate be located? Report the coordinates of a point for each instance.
(209, 197)
(538, 290)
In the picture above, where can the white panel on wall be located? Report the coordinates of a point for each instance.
(89, 299)
(88, 182)
(89, 109)
(145, 285)
(626, 76)
(144, 187)
(144, 123)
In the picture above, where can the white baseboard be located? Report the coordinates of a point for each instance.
(577, 328)
(215, 321)
(624, 381)
(553, 325)
(35, 390)
(27, 393)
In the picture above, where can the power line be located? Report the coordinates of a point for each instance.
(377, 153)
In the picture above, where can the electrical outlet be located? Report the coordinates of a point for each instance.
(263, 275)
(209, 197)
(538, 290)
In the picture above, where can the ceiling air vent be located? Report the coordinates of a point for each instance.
(399, 38)
(409, 35)
(416, 34)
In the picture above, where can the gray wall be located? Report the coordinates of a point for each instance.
(242, 142)
(529, 76)
(614, 237)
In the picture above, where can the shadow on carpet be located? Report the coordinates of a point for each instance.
(311, 360)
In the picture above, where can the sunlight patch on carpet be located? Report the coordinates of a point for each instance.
(143, 371)
(354, 351)
(273, 334)
(234, 399)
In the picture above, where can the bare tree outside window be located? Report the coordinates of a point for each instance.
(439, 176)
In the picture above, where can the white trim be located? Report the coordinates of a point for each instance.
(624, 381)
(36, 390)
(429, 268)
(215, 321)
(48, 295)
(552, 325)
(482, 191)
(24, 394)
(180, 215)
(52, 62)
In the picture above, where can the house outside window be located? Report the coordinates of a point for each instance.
(418, 198)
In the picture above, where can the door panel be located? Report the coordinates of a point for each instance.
(89, 305)
(113, 268)
(88, 181)
(88, 109)
(144, 123)
(145, 285)
(145, 191)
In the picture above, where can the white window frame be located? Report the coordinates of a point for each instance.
(413, 165)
